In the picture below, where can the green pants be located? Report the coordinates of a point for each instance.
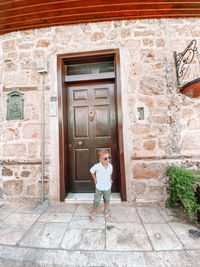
(97, 197)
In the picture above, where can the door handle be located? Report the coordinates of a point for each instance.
(80, 143)
(91, 115)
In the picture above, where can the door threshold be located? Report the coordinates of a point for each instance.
(88, 198)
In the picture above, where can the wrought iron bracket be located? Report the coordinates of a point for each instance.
(185, 58)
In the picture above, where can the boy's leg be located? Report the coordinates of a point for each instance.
(96, 202)
(106, 198)
(97, 199)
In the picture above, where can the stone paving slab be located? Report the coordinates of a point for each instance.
(82, 222)
(181, 231)
(84, 210)
(45, 257)
(29, 208)
(169, 258)
(84, 239)
(126, 237)
(150, 215)
(62, 207)
(162, 237)
(55, 217)
(124, 214)
(45, 235)
(167, 214)
(7, 209)
(14, 227)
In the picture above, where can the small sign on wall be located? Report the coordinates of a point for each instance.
(15, 106)
(53, 106)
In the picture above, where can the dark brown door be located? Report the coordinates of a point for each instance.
(91, 127)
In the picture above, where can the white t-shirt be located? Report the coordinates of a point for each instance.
(102, 175)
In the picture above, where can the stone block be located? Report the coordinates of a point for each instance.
(149, 170)
(117, 24)
(12, 187)
(160, 42)
(11, 55)
(151, 86)
(8, 45)
(194, 124)
(132, 44)
(140, 128)
(6, 172)
(26, 45)
(149, 145)
(32, 148)
(42, 43)
(24, 55)
(147, 55)
(137, 145)
(10, 65)
(147, 100)
(139, 189)
(65, 38)
(46, 187)
(31, 130)
(14, 150)
(125, 33)
(28, 65)
(144, 33)
(187, 113)
(160, 119)
(25, 173)
(105, 25)
(190, 141)
(38, 53)
(112, 35)
(10, 134)
(30, 190)
(148, 42)
(130, 22)
(136, 69)
(97, 36)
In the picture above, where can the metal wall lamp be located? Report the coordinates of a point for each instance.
(192, 88)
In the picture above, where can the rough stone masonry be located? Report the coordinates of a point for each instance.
(169, 132)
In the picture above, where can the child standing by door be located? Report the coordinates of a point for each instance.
(102, 176)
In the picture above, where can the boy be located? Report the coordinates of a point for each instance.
(102, 176)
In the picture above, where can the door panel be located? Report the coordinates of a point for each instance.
(81, 121)
(91, 127)
(102, 127)
(82, 158)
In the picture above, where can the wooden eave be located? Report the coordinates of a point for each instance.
(30, 14)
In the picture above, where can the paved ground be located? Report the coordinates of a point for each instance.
(63, 236)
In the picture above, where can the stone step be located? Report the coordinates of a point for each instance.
(88, 198)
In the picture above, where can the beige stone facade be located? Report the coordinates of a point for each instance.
(169, 133)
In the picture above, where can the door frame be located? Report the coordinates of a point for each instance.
(62, 110)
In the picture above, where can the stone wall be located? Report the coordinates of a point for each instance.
(169, 133)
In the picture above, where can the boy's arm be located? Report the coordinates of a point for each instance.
(111, 180)
(94, 178)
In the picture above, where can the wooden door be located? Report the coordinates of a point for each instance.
(91, 127)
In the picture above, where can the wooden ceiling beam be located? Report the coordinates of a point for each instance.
(79, 10)
(21, 4)
(3, 31)
(104, 15)
(27, 14)
(71, 10)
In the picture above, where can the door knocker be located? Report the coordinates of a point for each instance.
(91, 116)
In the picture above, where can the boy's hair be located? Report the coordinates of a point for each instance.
(102, 152)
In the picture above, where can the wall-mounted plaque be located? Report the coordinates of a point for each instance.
(15, 106)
